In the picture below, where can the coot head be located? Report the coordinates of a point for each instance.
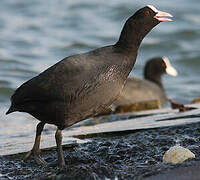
(139, 24)
(149, 13)
(156, 67)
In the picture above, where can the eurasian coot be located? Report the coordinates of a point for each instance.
(82, 85)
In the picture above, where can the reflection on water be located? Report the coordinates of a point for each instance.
(35, 35)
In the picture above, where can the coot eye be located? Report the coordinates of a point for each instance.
(164, 65)
(147, 13)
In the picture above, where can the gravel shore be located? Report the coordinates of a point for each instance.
(134, 155)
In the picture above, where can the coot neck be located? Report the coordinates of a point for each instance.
(132, 35)
(155, 78)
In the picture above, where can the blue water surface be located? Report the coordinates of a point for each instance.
(36, 34)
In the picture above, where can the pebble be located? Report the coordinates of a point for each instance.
(177, 154)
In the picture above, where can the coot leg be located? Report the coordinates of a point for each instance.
(35, 152)
(58, 137)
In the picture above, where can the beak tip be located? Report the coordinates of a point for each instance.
(161, 16)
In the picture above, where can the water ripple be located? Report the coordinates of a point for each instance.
(36, 34)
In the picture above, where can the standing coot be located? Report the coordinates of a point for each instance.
(150, 88)
(82, 85)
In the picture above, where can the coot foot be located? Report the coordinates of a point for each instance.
(35, 152)
(36, 156)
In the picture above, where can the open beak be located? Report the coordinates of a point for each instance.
(161, 16)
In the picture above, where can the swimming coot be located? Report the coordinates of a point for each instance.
(83, 85)
(151, 88)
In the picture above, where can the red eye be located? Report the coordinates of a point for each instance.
(147, 12)
(164, 65)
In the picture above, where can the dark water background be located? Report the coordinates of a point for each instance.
(36, 34)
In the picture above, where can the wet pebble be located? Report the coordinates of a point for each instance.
(163, 140)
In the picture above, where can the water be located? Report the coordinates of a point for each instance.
(36, 34)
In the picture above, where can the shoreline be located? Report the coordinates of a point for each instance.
(135, 155)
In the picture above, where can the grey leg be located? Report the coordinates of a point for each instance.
(58, 137)
(36, 147)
